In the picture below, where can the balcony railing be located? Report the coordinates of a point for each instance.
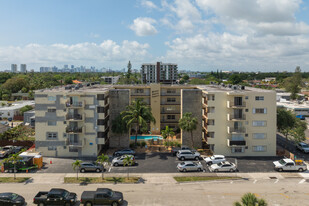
(231, 143)
(170, 112)
(70, 129)
(74, 104)
(236, 117)
(236, 130)
(74, 117)
(231, 104)
(169, 121)
(79, 143)
(170, 103)
(170, 94)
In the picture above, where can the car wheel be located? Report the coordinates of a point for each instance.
(280, 169)
(300, 170)
(209, 163)
(82, 170)
(41, 204)
(231, 170)
(98, 170)
(182, 158)
(184, 170)
(88, 204)
(115, 204)
(199, 170)
(197, 158)
(116, 164)
(215, 170)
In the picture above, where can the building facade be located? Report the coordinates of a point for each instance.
(231, 122)
(14, 68)
(23, 68)
(165, 73)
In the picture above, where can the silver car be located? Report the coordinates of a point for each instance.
(224, 166)
(90, 167)
(119, 160)
(189, 166)
(188, 154)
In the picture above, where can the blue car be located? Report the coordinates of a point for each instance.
(302, 117)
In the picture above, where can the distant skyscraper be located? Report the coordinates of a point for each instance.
(23, 68)
(14, 68)
(66, 66)
(72, 66)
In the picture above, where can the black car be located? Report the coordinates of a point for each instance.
(10, 199)
(124, 152)
(55, 196)
(102, 196)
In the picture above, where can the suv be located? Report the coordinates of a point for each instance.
(176, 149)
(124, 152)
(90, 167)
(303, 147)
(215, 159)
(188, 154)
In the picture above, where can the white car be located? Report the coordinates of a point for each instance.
(303, 147)
(188, 154)
(189, 166)
(224, 166)
(119, 160)
(215, 159)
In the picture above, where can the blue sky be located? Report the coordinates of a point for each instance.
(201, 35)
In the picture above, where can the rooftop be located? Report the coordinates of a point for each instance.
(293, 105)
(77, 89)
(231, 88)
(17, 105)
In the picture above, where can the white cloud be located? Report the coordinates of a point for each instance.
(108, 52)
(148, 4)
(143, 26)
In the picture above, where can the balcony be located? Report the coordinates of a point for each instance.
(169, 120)
(71, 143)
(70, 104)
(231, 104)
(102, 128)
(140, 94)
(73, 130)
(164, 111)
(170, 94)
(231, 143)
(74, 117)
(232, 117)
(101, 140)
(170, 103)
(236, 130)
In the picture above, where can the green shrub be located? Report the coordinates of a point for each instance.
(132, 145)
(138, 144)
(178, 144)
(143, 143)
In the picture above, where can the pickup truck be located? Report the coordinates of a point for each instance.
(55, 196)
(102, 196)
(289, 165)
(176, 149)
(6, 151)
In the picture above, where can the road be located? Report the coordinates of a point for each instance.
(289, 191)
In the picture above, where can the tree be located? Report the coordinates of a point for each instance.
(127, 161)
(285, 121)
(76, 166)
(294, 83)
(188, 124)
(13, 159)
(249, 199)
(139, 115)
(235, 79)
(167, 132)
(25, 109)
(101, 160)
(185, 77)
(129, 70)
(119, 126)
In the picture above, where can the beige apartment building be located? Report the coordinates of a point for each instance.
(75, 122)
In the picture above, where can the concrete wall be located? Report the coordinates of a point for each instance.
(119, 99)
(191, 101)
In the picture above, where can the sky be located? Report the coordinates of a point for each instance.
(198, 35)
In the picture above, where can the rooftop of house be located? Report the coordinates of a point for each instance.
(17, 105)
(231, 88)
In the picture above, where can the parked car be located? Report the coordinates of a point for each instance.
(188, 154)
(119, 160)
(303, 147)
(6, 151)
(224, 166)
(301, 117)
(189, 166)
(11, 199)
(124, 152)
(176, 149)
(55, 196)
(215, 159)
(17, 149)
(289, 165)
(90, 167)
(102, 196)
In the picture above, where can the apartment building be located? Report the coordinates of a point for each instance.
(159, 72)
(231, 121)
(239, 121)
(71, 121)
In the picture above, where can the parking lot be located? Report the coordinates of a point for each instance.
(160, 163)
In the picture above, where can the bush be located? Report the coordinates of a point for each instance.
(178, 144)
(143, 144)
(166, 144)
(132, 145)
(138, 144)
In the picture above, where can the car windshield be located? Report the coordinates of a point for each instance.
(305, 146)
(219, 164)
(282, 162)
(110, 193)
(212, 157)
(14, 196)
(65, 194)
(182, 163)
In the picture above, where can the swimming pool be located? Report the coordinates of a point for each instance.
(148, 137)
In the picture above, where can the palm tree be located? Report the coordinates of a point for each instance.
(76, 165)
(168, 132)
(101, 160)
(249, 199)
(188, 123)
(127, 161)
(119, 126)
(138, 114)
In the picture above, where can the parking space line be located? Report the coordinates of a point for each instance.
(302, 181)
(231, 182)
(110, 167)
(254, 181)
(284, 195)
(277, 180)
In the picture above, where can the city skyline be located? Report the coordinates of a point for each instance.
(199, 35)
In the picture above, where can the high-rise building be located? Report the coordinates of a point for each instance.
(14, 68)
(165, 73)
(23, 68)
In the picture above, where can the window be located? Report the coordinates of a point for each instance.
(52, 148)
(246, 97)
(171, 117)
(170, 108)
(259, 148)
(51, 123)
(259, 111)
(100, 96)
(211, 122)
(51, 98)
(247, 110)
(100, 122)
(101, 135)
(171, 91)
(73, 149)
(211, 97)
(259, 123)
(211, 135)
(211, 109)
(171, 99)
(51, 110)
(259, 135)
(52, 135)
(238, 149)
(100, 109)
(139, 90)
(259, 98)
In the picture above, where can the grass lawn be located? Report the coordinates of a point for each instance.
(93, 180)
(192, 179)
(12, 180)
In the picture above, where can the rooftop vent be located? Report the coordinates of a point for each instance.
(234, 87)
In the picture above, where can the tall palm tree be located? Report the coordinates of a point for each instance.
(249, 199)
(167, 132)
(101, 160)
(76, 165)
(127, 161)
(139, 115)
(188, 124)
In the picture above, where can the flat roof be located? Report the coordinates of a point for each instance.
(293, 105)
(17, 105)
(219, 88)
(92, 88)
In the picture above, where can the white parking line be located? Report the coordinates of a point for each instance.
(254, 181)
(231, 182)
(110, 167)
(302, 181)
(276, 181)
